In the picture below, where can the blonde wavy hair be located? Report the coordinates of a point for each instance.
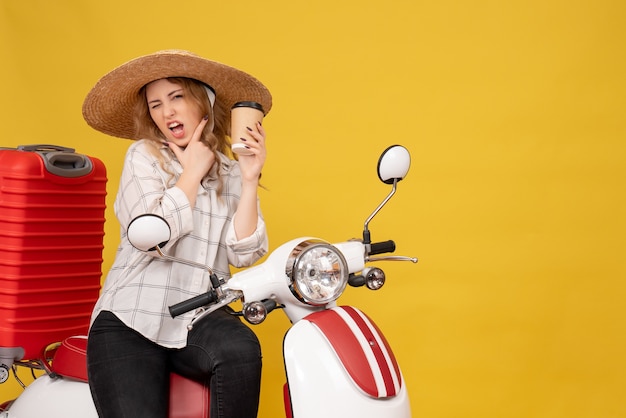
(217, 139)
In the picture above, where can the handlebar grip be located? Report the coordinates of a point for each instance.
(193, 303)
(382, 247)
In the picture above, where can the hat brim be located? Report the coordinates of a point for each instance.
(109, 105)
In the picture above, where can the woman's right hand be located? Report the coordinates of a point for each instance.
(196, 158)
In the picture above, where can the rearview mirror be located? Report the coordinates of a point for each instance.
(394, 164)
(147, 232)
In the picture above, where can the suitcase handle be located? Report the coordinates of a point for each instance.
(61, 161)
(44, 148)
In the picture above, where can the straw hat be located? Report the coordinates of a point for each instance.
(108, 107)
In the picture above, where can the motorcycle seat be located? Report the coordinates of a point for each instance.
(70, 359)
(188, 398)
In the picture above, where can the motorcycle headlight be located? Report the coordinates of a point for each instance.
(317, 271)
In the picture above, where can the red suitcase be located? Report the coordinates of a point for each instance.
(52, 203)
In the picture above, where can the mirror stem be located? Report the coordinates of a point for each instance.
(366, 233)
(182, 261)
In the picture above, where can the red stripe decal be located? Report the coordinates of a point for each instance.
(394, 362)
(347, 347)
(376, 349)
(351, 352)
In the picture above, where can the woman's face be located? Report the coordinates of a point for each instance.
(173, 111)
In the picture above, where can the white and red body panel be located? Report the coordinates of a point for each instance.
(53, 398)
(338, 364)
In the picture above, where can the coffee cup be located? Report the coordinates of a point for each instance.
(244, 115)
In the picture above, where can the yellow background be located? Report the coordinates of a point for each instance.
(514, 114)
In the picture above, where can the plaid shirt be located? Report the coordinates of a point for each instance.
(140, 287)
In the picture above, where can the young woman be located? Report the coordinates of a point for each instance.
(176, 106)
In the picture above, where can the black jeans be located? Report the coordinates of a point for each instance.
(129, 374)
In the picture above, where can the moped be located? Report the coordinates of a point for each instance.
(337, 361)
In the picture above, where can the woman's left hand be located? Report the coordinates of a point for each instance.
(251, 165)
